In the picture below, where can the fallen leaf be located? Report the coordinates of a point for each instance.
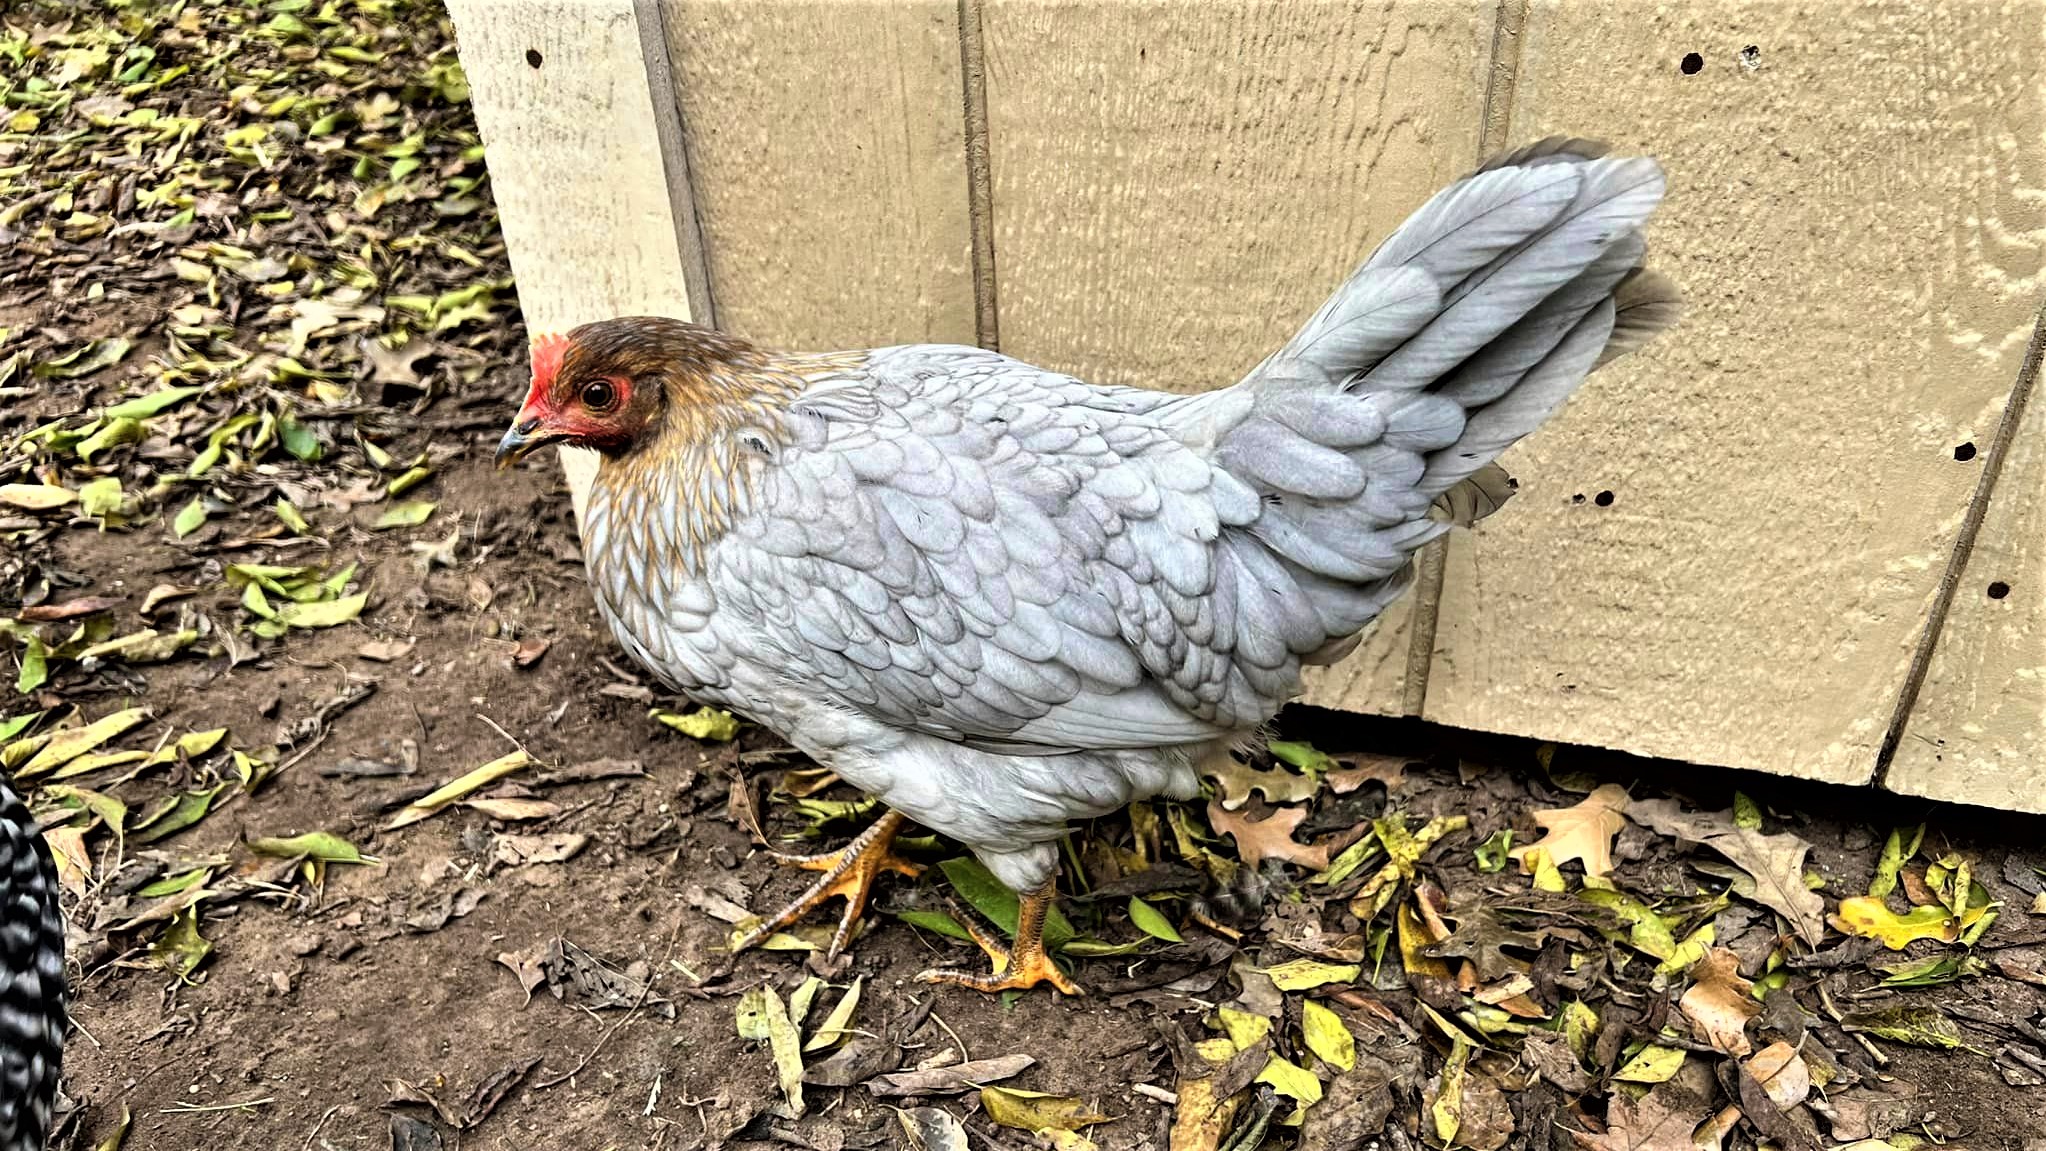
(1292, 1081)
(1328, 1036)
(838, 1024)
(447, 793)
(1307, 974)
(1718, 1004)
(1897, 851)
(1152, 922)
(1774, 862)
(385, 650)
(1549, 1053)
(1582, 832)
(1268, 838)
(1912, 1026)
(787, 1049)
(1870, 918)
(1652, 1064)
(1237, 781)
(1480, 937)
(518, 850)
(1035, 1111)
(1661, 1120)
(514, 808)
(36, 497)
(69, 609)
(1782, 1073)
(181, 949)
(65, 746)
(931, 1129)
(706, 723)
(409, 514)
(960, 1077)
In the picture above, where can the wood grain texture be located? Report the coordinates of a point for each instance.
(1177, 186)
(1858, 223)
(575, 165)
(1977, 731)
(827, 155)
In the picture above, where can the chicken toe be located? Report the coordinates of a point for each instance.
(849, 873)
(1021, 965)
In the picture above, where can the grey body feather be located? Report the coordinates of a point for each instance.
(1000, 598)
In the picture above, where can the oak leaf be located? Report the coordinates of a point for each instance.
(1583, 832)
(1774, 862)
(1268, 838)
(1719, 1004)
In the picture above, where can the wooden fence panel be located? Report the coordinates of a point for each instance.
(1725, 549)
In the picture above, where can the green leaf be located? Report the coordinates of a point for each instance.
(1492, 854)
(320, 845)
(35, 666)
(181, 949)
(189, 518)
(112, 433)
(1896, 853)
(936, 922)
(174, 884)
(1153, 923)
(143, 407)
(1912, 1026)
(1645, 929)
(412, 513)
(182, 812)
(11, 727)
(838, 1024)
(101, 497)
(83, 360)
(998, 904)
(1745, 813)
(406, 482)
(1931, 971)
(67, 745)
(291, 517)
(331, 613)
(1301, 755)
(301, 441)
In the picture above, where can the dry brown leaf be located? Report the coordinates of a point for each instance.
(1387, 769)
(1278, 785)
(1774, 863)
(1782, 1073)
(514, 850)
(1583, 832)
(514, 808)
(1661, 1120)
(1268, 838)
(1719, 1004)
(385, 650)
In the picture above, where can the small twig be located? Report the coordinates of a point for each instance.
(183, 1108)
(508, 735)
(965, 1056)
(314, 1133)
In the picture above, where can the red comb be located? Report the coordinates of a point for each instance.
(547, 353)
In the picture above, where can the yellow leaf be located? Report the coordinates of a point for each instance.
(1035, 1111)
(36, 497)
(1291, 1080)
(1327, 1037)
(1447, 1108)
(1305, 974)
(65, 746)
(455, 789)
(706, 723)
(1243, 1028)
(1582, 832)
(1869, 918)
(1546, 876)
(838, 1024)
(1652, 1065)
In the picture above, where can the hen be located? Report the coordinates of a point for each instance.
(999, 598)
(31, 979)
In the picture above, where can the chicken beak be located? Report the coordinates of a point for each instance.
(518, 441)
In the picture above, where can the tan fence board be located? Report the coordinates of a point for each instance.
(1856, 222)
(827, 156)
(1978, 731)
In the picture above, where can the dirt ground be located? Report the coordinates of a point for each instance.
(545, 968)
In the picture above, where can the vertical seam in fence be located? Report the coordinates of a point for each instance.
(979, 175)
(674, 145)
(1496, 117)
(1964, 547)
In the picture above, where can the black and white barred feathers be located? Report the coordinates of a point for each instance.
(31, 979)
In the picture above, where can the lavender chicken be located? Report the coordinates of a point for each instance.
(999, 598)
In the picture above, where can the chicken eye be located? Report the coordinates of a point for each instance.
(599, 395)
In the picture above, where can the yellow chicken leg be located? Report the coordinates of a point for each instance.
(849, 872)
(1023, 964)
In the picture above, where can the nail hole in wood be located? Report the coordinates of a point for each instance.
(1603, 499)
(1751, 57)
(1965, 452)
(1693, 64)
(1998, 589)
(1578, 498)
(533, 57)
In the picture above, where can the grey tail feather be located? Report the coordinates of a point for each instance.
(1645, 303)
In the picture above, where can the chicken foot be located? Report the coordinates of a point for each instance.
(849, 873)
(1020, 965)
